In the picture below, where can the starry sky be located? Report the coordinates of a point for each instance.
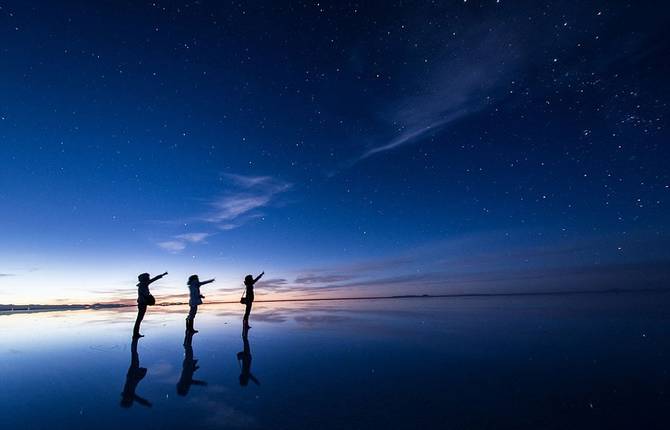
(347, 149)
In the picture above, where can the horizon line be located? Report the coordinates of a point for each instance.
(12, 308)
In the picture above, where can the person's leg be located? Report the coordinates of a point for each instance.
(141, 310)
(247, 311)
(191, 317)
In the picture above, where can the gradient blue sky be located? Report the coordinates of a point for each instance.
(345, 149)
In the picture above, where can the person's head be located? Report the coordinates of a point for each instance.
(193, 279)
(143, 278)
(248, 279)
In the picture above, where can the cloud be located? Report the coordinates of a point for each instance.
(495, 262)
(193, 237)
(231, 207)
(4, 275)
(243, 202)
(273, 284)
(476, 68)
(466, 77)
(251, 193)
(624, 276)
(248, 181)
(276, 285)
(180, 241)
(228, 226)
(172, 245)
(407, 137)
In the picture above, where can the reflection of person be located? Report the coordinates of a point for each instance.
(144, 299)
(133, 377)
(195, 299)
(189, 366)
(245, 358)
(249, 282)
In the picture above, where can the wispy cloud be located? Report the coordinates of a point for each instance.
(193, 237)
(17, 271)
(275, 285)
(243, 201)
(179, 242)
(578, 278)
(250, 194)
(465, 80)
(492, 262)
(172, 245)
(249, 181)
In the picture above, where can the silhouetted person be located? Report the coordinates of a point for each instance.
(245, 358)
(189, 366)
(144, 299)
(133, 377)
(195, 299)
(249, 282)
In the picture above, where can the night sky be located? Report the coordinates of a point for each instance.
(347, 149)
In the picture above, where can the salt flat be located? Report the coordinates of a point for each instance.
(594, 361)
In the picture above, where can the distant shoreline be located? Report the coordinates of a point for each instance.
(13, 309)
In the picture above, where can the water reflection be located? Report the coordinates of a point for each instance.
(477, 347)
(189, 366)
(133, 377)
(244, 358)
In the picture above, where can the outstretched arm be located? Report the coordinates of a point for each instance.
(259, 277)
(156, 278)
(207, 281)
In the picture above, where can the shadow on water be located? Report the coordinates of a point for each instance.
(133, 377)
(189, 366)
(244, 359)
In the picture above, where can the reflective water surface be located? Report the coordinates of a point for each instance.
(596, 361)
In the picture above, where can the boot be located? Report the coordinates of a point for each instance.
(189, 327)
(136, 332)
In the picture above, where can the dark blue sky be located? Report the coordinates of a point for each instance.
(344, 148)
